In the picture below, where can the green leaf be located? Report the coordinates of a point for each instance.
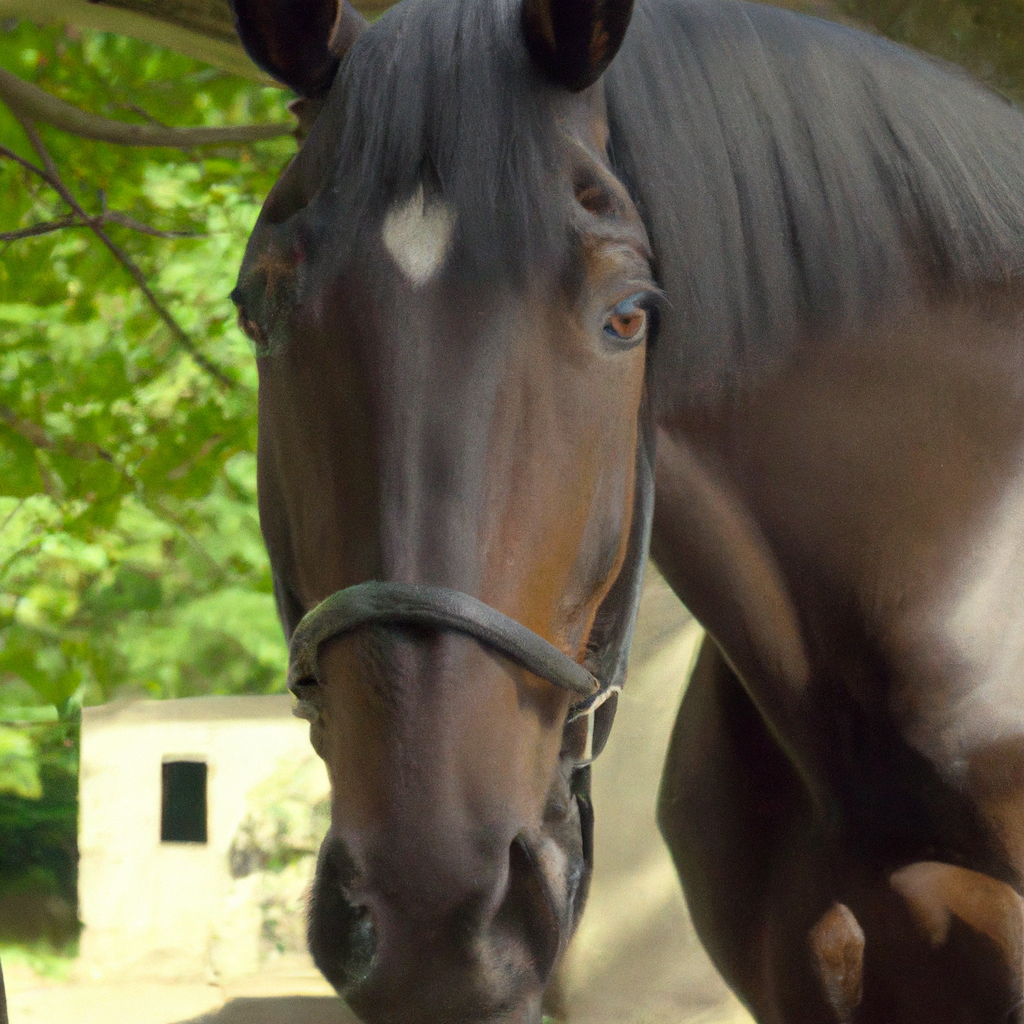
(130, 553)
(19, 313)
(19, 768)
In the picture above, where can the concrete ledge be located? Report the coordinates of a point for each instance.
(188, 709)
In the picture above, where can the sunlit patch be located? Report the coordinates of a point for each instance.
(979, 625)
(417, 234)
(553, 862)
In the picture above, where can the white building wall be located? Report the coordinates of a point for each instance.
(172, 909)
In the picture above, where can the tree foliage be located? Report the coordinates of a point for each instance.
(984, 36)
(130, 554)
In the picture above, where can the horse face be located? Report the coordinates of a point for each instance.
(436, 411)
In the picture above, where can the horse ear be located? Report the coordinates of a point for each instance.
(937, 892)
(299, 42)
(573, 41)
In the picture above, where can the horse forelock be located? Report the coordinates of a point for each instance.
(440, 96)
(795, 176)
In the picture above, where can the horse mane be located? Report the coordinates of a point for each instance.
(796, 176)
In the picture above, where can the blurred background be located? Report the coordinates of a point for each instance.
(131, 564)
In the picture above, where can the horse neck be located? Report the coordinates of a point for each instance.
(839, 526)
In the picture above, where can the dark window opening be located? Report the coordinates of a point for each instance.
(183, 803)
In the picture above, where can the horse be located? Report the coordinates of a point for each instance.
(552, 285)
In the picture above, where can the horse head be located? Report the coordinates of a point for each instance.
(450, 295)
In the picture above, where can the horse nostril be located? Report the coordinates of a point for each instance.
(341, 935)
(344, 947)
(528, 908)
(362, 945)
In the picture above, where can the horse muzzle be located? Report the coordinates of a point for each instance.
(405, 947)
(450, 900)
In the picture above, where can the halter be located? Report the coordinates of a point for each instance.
(412, 604)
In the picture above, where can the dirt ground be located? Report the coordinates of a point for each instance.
(635, 959)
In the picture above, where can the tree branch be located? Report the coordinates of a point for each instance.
(40, 229)
(7, 522)
(203, 29)
(39, 438)
(116, 217)
(51, 174)
(34, 104)
(27, 164)
(159, 509)
(107, 217)
(24, 550)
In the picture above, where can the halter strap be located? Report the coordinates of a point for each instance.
(414, 604)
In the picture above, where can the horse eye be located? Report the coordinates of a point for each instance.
(627, 321)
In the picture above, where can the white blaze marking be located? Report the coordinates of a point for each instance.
(418, 235)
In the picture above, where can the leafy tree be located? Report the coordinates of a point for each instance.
(130, 556)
